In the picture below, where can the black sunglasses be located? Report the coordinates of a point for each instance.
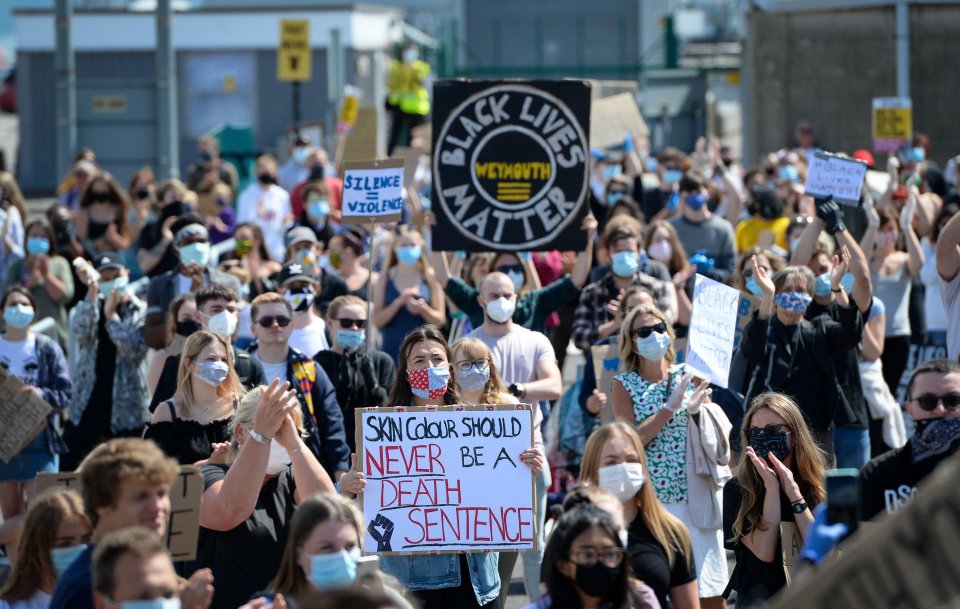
(645, 331)
(267, 321)
(767, 430)
(359, 324)
(506, 268)
(929, 402)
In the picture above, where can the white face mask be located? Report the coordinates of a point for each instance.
(624, 480)
(501, 309)
(279, 459)
(223, 324)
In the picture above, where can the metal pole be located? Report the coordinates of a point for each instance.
(903, 48)
(168, 151)
(296, 107)
(335, 82)
(66, 89)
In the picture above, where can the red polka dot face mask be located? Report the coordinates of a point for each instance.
(429, 383)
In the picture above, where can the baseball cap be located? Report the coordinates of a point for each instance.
(108, 260)
(865, 156)
(293, 272)
(299, 235)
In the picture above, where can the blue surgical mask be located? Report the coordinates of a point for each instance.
(64, 557)
(847, 281)
(351, 339)
(300, 155)
(753, 287)
(319, 209)
(157, 603)
(614, 197)
(474, 378)
(822, 288)
(212, 373)
(673, 201)
(409, 255)
(672, 176)
(18, 316)
(794, 302)
(38, 245)
(195, 253)
(611, 171)
(625, 264)
(107, 287)
(695, 201)
(654, 346)
(789, 172)
(335, 570)
(517, 278)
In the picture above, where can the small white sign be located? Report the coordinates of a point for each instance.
(835, 177)
(373, 191)
(713, 326)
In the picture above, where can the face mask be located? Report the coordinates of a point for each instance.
(411, 55)
(429, 383)
(672, 176)
(789, 172)
(793, 302)
(223, 324)
(934, 437)
(195, 253)
(335, 260)
(245, 292)
(614, 197)
(475, 378)
(300, 300)
(598, 580)
(157, 603)
(243, 247)
(625, 264)
(501, 309)
(753, 287)
(63, 557)
(654, 346)
(265, 178)
(18, 316)
(409, 255)
(279, 459)
(793, 243)
(38, 245)
(187, 327)
(611, 171)
(847, 281)
(334, 570)
(319, 209)
(916, 155)
(107, 287)
(517, 279)
(623, 479)
(351, 339)
(662, 251)
(212, 373)
(765, 443)
(695, 201)
(300, 155)
(822, 288)
(304, 256)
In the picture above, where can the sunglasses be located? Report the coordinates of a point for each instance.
(929, 402)
(767, 430)
(506, 268)
(346, 324)
(748, 272)
(267, 321)
(645, 331)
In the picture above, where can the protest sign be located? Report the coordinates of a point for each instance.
(907, 560)
(510, 163)
(372, 191)
(748, 304)
(430, 471)
(606, 363)
(612, 118)
(836, 177)
(791, 543)
(183, 526)
(713, 323)
(411, 159)
(892, 123)
(24, 415)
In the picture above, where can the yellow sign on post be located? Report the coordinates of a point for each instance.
(892, 123)
(293, 56)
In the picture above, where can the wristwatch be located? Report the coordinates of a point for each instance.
(837, 291)
(259, 437)
(517, 389)
(798, 507)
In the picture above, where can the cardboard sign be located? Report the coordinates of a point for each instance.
(372, 191)
(446, 479)
(411, 159)
(748, 304)
(908, 560)
(606, 363)
(836, 177)
(510, 162)
(713, 324)
(183, 528)
(791, 543)
(294, 62)
(892, 123)
(611, 118)
(24, 415)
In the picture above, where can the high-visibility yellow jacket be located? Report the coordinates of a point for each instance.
(405, 87)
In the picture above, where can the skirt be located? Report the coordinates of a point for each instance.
(708, 552)
(32, 460)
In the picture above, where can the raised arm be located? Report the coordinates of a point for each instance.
(914, 252)
(581, 270)
(948, 249)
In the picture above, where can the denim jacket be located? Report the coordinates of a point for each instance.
(435, 571)
(53, 381)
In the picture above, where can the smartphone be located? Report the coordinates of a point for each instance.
(843, 498)
(368, 569)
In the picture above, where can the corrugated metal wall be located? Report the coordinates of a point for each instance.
(38, 126)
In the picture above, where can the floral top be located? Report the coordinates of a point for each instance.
(667, 452)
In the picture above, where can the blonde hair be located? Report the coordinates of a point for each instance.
(246, 411)
(808, 465)
(475, 348)
(629, 358)
(195, 343)
(423, 264)
(666, 528)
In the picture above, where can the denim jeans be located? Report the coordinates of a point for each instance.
(851, 445)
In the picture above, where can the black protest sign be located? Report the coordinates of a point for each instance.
(510, 164)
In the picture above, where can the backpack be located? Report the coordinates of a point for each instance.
(243, 365)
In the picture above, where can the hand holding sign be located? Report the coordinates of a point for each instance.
(835, 177)
(353, 482)
(372, 191)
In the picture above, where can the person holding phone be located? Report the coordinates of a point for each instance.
(779, 480)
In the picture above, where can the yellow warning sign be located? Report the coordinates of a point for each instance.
(293, 54)
(892, 123)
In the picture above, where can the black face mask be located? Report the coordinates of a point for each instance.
(174, 208)
(63, 231)
(765, 443)
(95, 230)
(599, 580)
(99, 197)
(186, 327)
(316, 173)
(265, 178)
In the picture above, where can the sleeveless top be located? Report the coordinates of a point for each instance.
(187, 441)
(894, 291)
(403, 322)
(667, 452)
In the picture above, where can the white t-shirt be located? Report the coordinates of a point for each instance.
(950, 293)
(268, 208)
(517, 353)
(935, 315)
(20, 358)
(272, 371)
(311, 339)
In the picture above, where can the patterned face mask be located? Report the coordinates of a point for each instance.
(935, 437)
(429, 383)
(794, 302)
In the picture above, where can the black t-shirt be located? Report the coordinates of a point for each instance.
(649, 561)
(245, 559)
(96, 416)
(753, 578)
(350, 382)
(184, 440)
(888, 483)
(150, 236)
(852, 410)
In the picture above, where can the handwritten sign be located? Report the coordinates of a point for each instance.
(713, 323)
(791, 543)
(447, 479)
(183, 526)
(606, 363)
(24, 416)
(892, 123)
(372, 191)
(836, 177)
